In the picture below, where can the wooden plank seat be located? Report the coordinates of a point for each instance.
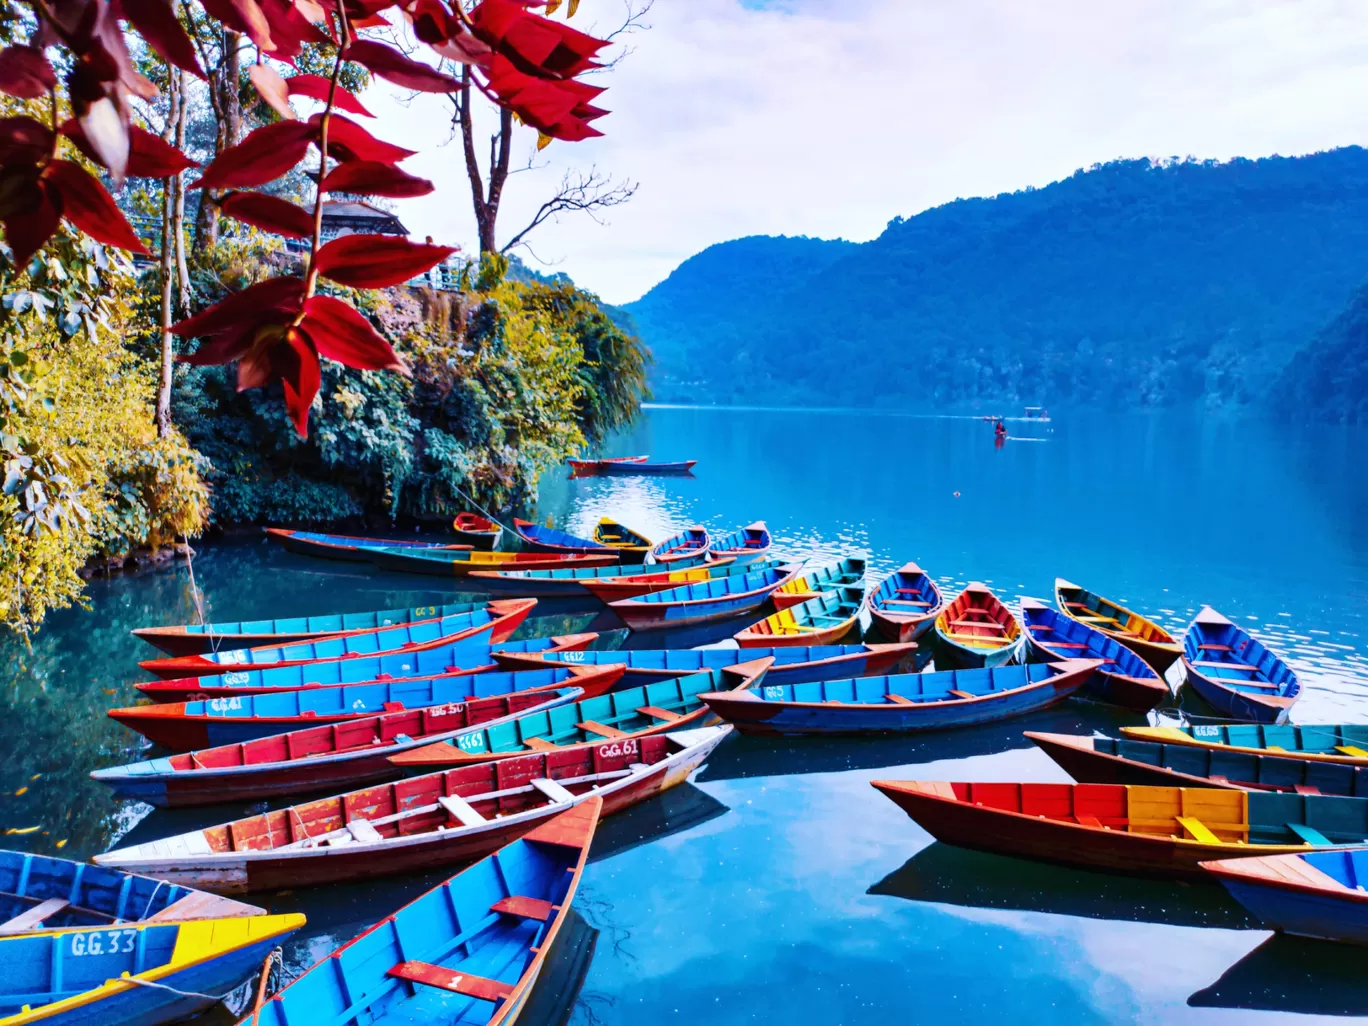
(991, 639)
(540, 744)
(906, 602)
(1310, 835)
(363, 832)
(558, 793)
(1065, 644)
(990, 624)
(660, 714)
(601, 729)
(961, 694)
(1306, 789)
(899, 699)
(1221, 664)
(466, 984)
(524, 907)
(1198, 830)
(31, 919)
(1089, 821)
(461, 810)
(1207, 647)
(1353, 750)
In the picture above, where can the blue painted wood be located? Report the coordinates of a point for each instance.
(746, 545)
(547, 539)
(1255, 686)
(690, 542)
(564, 583)
(95, 895)
(717, 599)
(905, 604)
(1123, 678)
(1336, 910)
(457, 928)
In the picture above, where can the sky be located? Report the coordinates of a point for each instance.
(829, 119)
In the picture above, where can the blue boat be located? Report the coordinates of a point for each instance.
(688, 543)
(718, 599)
(493, 621)
(1235, 674)
(901, 704)
(134, 974)
(194, 638)
(744, 546)
(625, 468)
(187, 726)
(905, 604)
(547, 539)
(348, 547)
(468, 656)
(39, 892)
(467, 952)
(565, 583)
(793, 664)
(1318, 894)
(1123, 679)
(844, 573)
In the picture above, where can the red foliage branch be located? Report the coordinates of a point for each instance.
(278, 329)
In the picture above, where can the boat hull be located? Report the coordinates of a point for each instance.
(900, 629)
(346, 548)
(1234, 704)
(1134, 693)
(953, 656)
(1091, 767)
(250, 872)
(1286, 904)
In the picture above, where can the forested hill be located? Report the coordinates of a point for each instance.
(1130, 283)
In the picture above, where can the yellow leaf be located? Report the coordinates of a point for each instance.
(22, 790)
(23, 830)
(543, 140)
(61, 843)
(551, 7)
(574, 6)
(34, 777)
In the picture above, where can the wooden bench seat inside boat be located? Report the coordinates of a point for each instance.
(660, 714)
(31, 919)
(524, 907)
(601, 729)
(461, 810)
(465, 984)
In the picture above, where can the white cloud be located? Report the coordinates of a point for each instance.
(828, 119)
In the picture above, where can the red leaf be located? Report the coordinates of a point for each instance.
(269, 213)
(297, 364)
(274, 296)
(271, 88)
(263, 156)
(372, 178)
(349, 141)
(156, 22)
(85, 204)
(23, 140)
(243, 16)
(339, 332)
(149, 156)
(539, 45)
(224, 348)
(432, 22)
(25, 72)
(372, 21)
(104, 124)
(315, 87)
(290, 30)
(377, 261)
(393, 66)
(29, 215)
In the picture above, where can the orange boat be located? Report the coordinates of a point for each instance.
(976, 630)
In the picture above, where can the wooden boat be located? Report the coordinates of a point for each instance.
(196, 638)
(905, 604)
(632, 545)
(625, 467)
(440, 819)
(1316, 894)
(459, 658)
(311, 759)
(478, 532)
(39, 893)
(901, 704)
(459, 564)
(848, 573)
(688, 544)
(1161, 831)
(1105, 760)
(824, 620)
(1234, 673)
(466, 953)
(572, 584)
(491, 623)
(651, 579)
(349, 547)
(621, 718)
(585, 468)
(186, 726)
(1141, 635)
(1345, 744)
(1123, 679)
(718, 599)
(975, 629)
(745, 546)
(536, 538)
(792, 665)
(134, 974)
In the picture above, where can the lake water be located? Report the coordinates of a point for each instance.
(780, 886)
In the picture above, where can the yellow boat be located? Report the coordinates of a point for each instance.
(1141, 635)
(1345, 744)
(629, 543)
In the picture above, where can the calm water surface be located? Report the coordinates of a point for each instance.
(780, 886)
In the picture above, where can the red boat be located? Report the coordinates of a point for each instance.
(323, 759)
(480, 532)
(587, 468)
(658, 578)
(440, 819)
(504, 617)
(349, 548)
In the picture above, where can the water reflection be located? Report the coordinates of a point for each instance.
(1292, 974)
(949, 875)
(678, 809)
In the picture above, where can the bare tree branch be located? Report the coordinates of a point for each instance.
(580, 193)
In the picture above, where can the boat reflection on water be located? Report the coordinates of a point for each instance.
(1292, 974)
(741, 757)
(559, 985)
(676, 637)
(678, 809)
(947, 875)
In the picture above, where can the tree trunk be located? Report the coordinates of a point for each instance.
(485, 204)
(168, 251)
(178, 216)
(228, 111)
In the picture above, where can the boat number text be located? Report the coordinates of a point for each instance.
(103, 943)
(621, 748)
(1206, 731)
(232, 656)
(469, 742)
(224, 704)
(421, 611)
(237, 677)
(773, 693)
